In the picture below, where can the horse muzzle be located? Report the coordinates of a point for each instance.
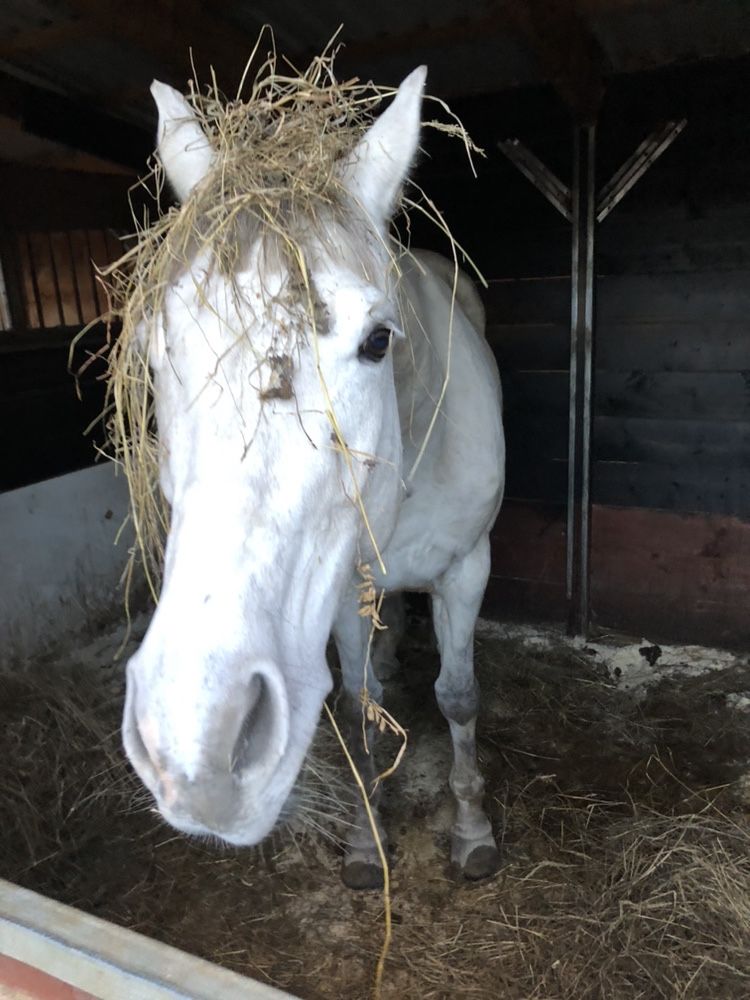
(224, 780)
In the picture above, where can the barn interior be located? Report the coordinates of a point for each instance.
(666, 506)
(627, 507)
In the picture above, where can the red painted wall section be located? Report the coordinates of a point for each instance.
(672, 576)
(655, 574)
(527, 579)
(23, 982)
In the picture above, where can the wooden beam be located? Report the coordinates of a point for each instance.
(41, 39)
(569, 55)
(554, 31)
(75, 123)
(167, 32)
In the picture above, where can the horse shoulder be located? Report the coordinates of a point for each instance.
(467, 295)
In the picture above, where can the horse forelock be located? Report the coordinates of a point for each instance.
(275, 199)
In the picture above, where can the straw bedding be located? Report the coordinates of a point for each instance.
(624, 827)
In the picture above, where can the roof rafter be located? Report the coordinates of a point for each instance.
(555, 31)
(40, 39)
(168, 32)
(568, 53)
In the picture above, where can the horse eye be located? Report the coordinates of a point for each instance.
(375, 347)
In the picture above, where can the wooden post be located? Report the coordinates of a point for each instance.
(581, 369)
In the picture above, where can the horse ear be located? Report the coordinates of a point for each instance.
(382, 158)
(182, 144)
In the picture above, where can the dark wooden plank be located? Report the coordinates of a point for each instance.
(528, 563)
(536, 427)
(536, 479)
(703, 395)
(671, 577)
(536, 392)
(713, 296)
(711, 346)
(75, 123)
(36, 369)
(528, 541)
(534, 435)
(532, 252)
(516, 232)
(530, 346)
(524, 600)
(43, 434)
(678, 443)
(685, 487)
(39, 199)
(668, 238)
(536, 300)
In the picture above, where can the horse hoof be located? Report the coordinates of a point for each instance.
(362, 875)
(482, 862)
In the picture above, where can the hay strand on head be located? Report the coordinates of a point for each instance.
(276, 158)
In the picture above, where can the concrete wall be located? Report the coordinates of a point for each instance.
(49, 951)
(59, 564)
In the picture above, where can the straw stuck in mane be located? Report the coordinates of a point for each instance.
(276, 177)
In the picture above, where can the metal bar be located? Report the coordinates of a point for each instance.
(74, 272)
(92, 273)
(636, 166)
(12, 282)
(56, 280)
(575, 250)
(553, 189)
(581, 206)
(34, 283)
(581, 368)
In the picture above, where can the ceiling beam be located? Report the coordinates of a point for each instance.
(40, 39)
(74, 123)
(554, 31)
(167, 32)
(569, 55)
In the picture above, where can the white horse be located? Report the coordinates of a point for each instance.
(226, 691)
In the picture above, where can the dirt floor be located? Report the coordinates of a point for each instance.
(617, 781)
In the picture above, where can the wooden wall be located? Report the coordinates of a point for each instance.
(671, 457)
(44, 411)
(671, 453)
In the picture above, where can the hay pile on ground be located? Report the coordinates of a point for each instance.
(624, 826)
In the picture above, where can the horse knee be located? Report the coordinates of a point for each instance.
(458, 703)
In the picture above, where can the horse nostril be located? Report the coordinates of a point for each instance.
(260, 729)
(136, 745)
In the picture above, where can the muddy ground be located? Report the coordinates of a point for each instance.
(617, 788)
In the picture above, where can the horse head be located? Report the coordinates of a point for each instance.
(280, 458)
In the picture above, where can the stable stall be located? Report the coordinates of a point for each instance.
(609, 218)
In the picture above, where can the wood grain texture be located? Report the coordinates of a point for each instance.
(528, 562)
(671, 577)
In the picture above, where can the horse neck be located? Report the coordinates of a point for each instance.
(421, 359)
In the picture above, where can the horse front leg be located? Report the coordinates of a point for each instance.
(455, 605)
(361, 867)
(385, 660)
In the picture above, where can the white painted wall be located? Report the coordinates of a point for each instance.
(58, 557)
